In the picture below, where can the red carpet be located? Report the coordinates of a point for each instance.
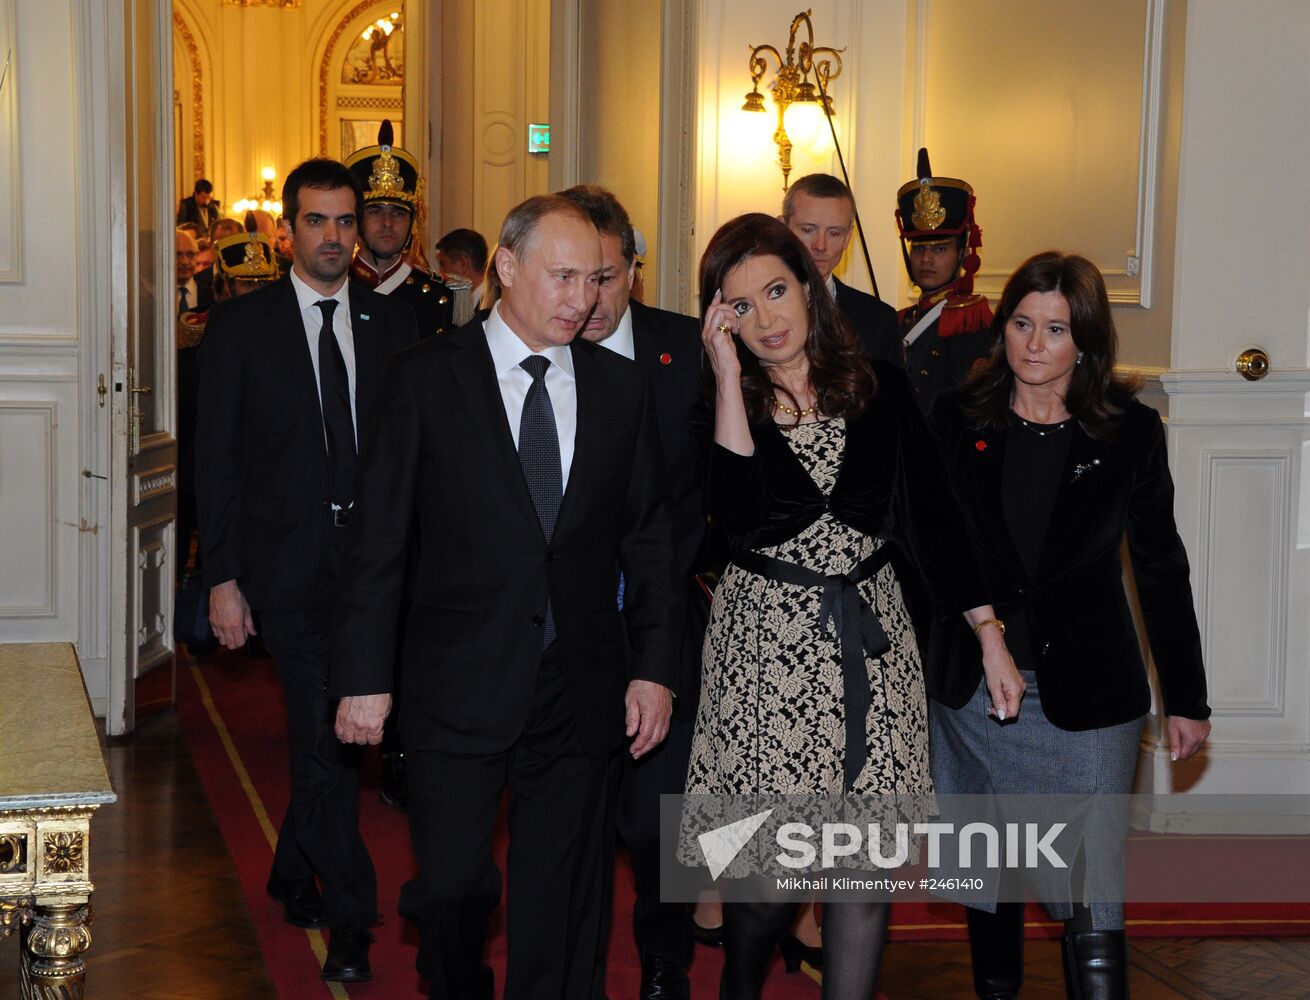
(240, 751)
(232, 714)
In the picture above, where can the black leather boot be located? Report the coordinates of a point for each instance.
(1095, 965)
(996, 947)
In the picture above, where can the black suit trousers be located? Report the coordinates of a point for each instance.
(320, 832)
(662, 929)
(556, 794)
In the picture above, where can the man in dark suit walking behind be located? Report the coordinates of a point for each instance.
(820, 210)
(667, 347)
(287, 375)
(526, 464)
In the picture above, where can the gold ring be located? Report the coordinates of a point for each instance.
(722, 328)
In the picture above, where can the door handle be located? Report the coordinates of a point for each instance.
(142, 389)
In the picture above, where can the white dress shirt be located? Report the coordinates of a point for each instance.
(312, 317)
(507, 351)
(621, 340)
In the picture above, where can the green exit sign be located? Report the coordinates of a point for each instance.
(538, 138)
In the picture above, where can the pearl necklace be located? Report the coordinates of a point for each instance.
(1041, 430)
(780, 405)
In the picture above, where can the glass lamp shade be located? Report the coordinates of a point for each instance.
(804, 123)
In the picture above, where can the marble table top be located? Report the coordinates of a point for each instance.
(50, 751)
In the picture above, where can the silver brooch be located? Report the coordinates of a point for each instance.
(1082, 467)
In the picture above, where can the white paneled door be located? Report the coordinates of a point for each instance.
(144, 447)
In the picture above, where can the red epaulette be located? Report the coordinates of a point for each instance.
(362, 272)
(967, 314)
(191, 328)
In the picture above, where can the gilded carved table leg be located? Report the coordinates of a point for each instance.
(53, 943)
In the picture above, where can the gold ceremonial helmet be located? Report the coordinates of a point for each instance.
(388, 174)
(249, 255)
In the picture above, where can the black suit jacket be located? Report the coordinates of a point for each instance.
(439, 466)
(204, 215)
(891, 485)
(875, 324)
(1089, 663)
(261, 461)
(668, 349)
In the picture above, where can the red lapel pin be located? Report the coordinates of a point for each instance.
(666, 359)
(980, 445)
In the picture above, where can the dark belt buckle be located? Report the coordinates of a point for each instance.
(340, 517)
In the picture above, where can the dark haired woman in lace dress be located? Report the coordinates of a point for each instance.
(820, 460)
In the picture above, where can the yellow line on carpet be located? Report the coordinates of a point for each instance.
(1220, 923)
(1131, 923)
(316, 943)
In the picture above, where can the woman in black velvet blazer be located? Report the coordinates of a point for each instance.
(812, 683)
(1054, 462)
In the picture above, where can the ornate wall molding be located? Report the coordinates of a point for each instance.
(1127, 273)
(279, 4)
(28, 436)
(371, 103)
(1250, 489)
(325, 68)
(197, 91)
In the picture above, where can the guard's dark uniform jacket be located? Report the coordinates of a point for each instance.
(944, 353)
(431, 298)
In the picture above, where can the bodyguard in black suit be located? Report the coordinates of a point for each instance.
(525, 466)
(820, 210)
(666, 346)
(280, 404)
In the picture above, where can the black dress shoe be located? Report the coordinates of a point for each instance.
(347, 957)
(302, 905)
(711, 937)
(394, 790)
(794, 952)
(663, 980)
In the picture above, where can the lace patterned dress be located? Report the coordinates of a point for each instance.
(771, 718)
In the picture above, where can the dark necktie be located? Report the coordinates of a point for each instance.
(181, 300)
(334, 391)
(539, 457)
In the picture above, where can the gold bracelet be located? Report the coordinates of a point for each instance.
(989, 621)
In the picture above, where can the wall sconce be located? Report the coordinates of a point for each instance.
(267, 204)
(803, 110)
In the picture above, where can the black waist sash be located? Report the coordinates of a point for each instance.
(855, 626)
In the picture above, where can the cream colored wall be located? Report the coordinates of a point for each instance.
(1068, 136)
(495, 80)
(261, 86)
(51, 513)
(619, 138)
(1239, 449)
(736, 163)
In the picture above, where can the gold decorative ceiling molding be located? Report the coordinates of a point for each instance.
(282, 4)
(197, 93)
(325, 67)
